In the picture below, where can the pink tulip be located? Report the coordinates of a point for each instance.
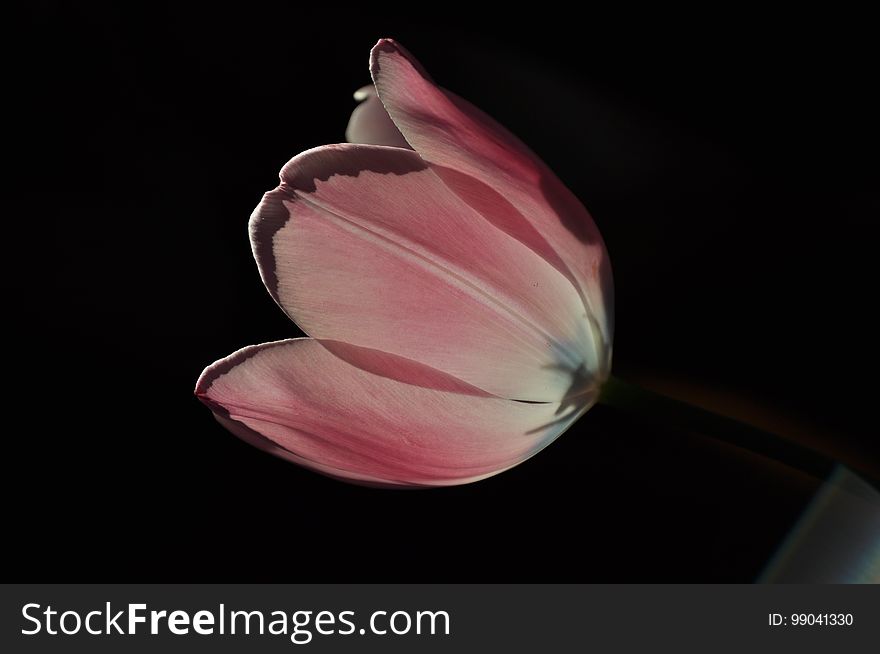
(456, 295)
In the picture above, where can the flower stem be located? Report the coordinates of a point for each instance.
(674, 413)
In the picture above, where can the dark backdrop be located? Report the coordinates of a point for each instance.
(729, 161)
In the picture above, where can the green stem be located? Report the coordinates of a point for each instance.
(674, 413)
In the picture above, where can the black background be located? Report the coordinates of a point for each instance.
(730, 162)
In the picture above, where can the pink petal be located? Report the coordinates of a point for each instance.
(371, 124)
(347, 413)
(367, 245)
(482, 161)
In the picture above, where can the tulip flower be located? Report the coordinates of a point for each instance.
(457, 297)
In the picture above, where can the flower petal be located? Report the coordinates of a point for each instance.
(366, 245)
(348, 413)
(481, 160)
(370, 123)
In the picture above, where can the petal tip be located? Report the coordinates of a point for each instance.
(386, 44)
(389, 48)
(223, 366)
(364, 93)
